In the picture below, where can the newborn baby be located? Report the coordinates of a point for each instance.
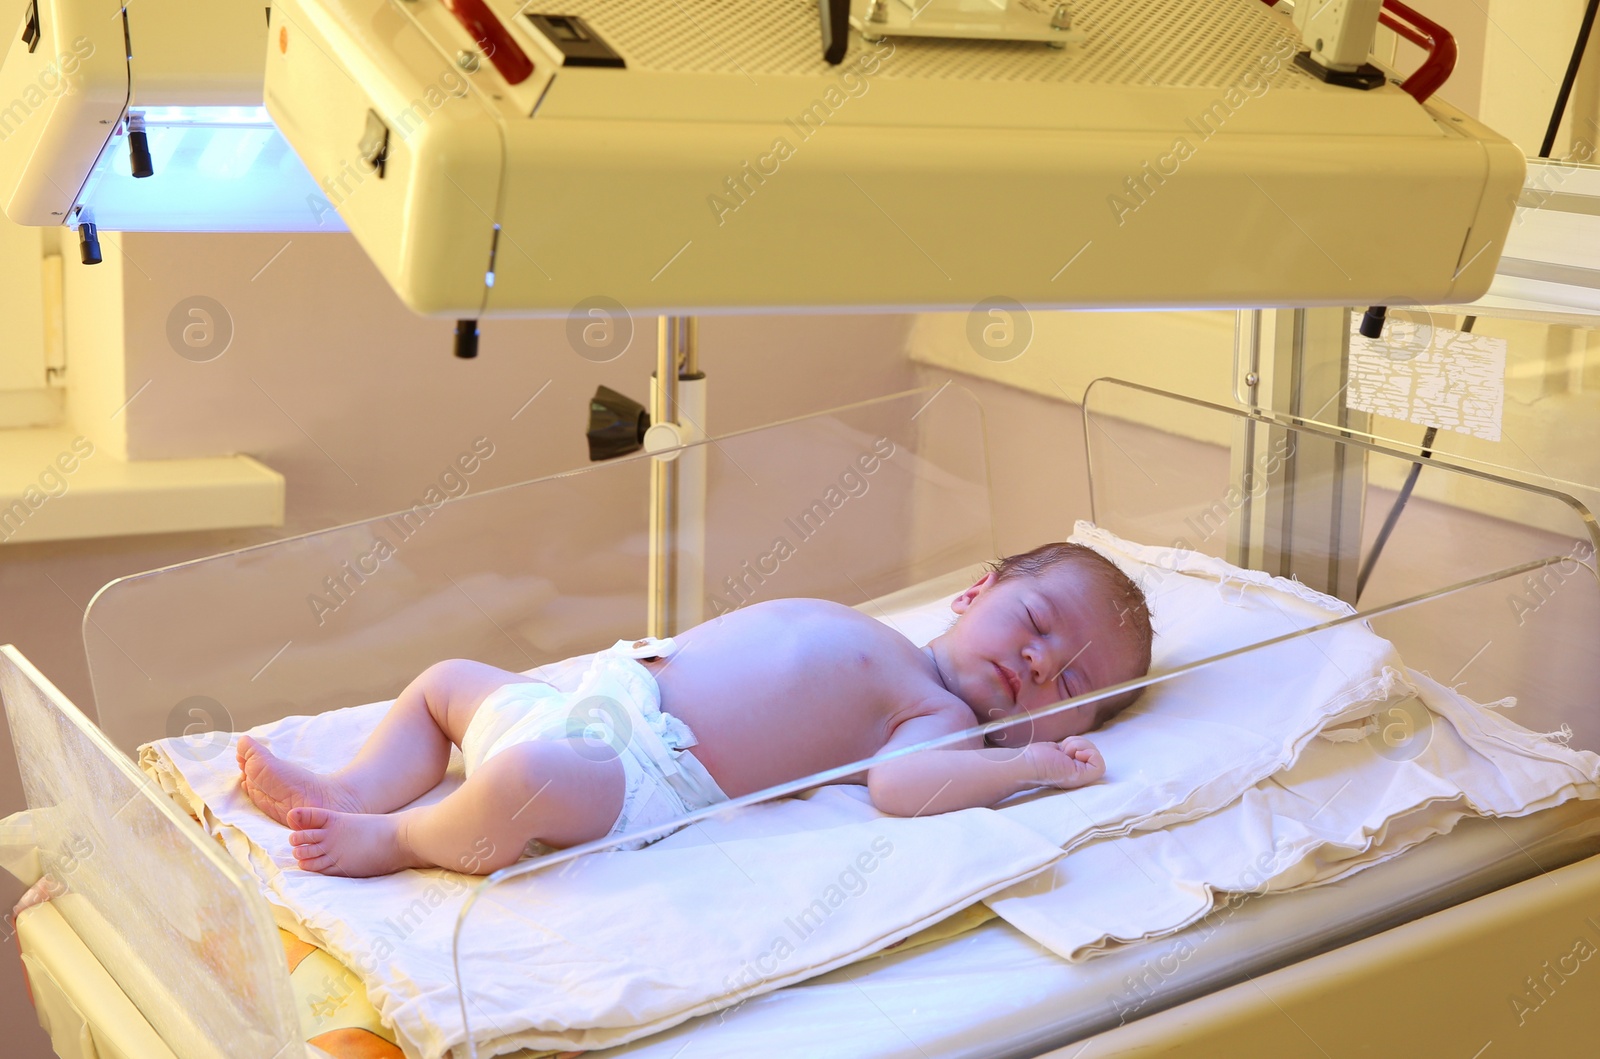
(764, 695)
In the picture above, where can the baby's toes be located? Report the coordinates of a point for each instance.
(310, 850)
(309, 817)
(313, 856)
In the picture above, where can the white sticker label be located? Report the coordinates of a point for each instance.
(1430, 376)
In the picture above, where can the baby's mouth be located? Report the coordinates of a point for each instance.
(1012, 682)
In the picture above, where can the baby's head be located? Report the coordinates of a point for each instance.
(1046, 625)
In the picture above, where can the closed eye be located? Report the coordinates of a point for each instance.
(1034, 621)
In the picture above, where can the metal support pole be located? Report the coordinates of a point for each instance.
(660, 599)
(689, 593)
(691, 347)
(1302, 496)
(676, 596)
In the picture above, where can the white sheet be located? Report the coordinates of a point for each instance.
(994, 993)
(623, 944)
(1343, 806)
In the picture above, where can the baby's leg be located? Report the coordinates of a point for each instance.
(405, 757)
(554, 790)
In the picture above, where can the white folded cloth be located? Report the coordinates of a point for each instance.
(19, 847)
(1344, 805)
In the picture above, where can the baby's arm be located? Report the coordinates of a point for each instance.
(966, 775)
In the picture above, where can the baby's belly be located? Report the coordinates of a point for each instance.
(749, 743)
(782, 690)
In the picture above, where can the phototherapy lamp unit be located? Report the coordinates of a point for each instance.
(495, 160)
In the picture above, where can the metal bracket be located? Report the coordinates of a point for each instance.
(1301, 506)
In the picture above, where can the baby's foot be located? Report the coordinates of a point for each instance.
(277, 786)
(356, 845)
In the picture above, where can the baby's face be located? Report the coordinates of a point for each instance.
(1029, 642)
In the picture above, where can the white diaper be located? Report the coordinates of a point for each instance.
(616, 712)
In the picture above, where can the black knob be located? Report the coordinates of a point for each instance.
(1372, 321)
(89, 243)
(139, 153)
(616, 424)
(466, 339)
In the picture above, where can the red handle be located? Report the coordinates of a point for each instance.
(475, 16)
(1426, 34)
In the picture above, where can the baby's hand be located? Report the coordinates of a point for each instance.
(1073, 762)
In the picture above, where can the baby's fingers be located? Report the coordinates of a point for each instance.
(1085, 756)
(1063, 765)
(1080, 748)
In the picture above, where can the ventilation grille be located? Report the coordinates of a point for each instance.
(1162, 43)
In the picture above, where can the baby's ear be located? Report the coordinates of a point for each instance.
(964, 600)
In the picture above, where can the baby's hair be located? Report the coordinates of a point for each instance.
(1125, 597)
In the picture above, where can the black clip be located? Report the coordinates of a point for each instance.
(577, 41)
(30, 26)
(1366, 77)
(834, 16)
(374, 145)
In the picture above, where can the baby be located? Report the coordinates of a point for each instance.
(767, 694)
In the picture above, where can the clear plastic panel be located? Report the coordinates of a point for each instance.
(181, 927)
(1538, 370)
(758, 915)
(1300, 501)
(1442, 595)
(538, 572)
(532, 573)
